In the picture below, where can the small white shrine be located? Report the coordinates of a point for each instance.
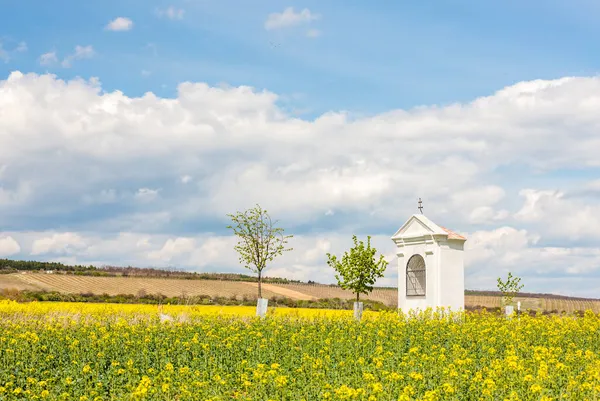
(430, 266)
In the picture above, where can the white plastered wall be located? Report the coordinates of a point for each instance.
(444, 265)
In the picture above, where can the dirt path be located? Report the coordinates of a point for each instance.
(284, 291)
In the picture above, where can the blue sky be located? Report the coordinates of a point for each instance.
(368, 59)
(488, 111)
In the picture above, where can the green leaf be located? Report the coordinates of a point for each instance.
(358, 270)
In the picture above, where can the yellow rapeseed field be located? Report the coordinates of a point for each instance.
(85, 352)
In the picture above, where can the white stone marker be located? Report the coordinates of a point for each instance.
(358, 310)
(509, 310)
(261, 307)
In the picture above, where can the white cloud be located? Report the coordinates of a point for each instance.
(119, 24)
(48, 58)
(80, 53)
(8, 246)
(289, 18)
(537, 203)
(327, 177)
(553, 269)
(173, 249)
(560, 216)
(146, 73)
(61, 243)
(476, 204)
(501, 243)
(171, 13)
(486, 214)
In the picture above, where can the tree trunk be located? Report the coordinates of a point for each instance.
(259, 284)
(357, 297)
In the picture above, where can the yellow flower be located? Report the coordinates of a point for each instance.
(535, 388)
(416, 376)
(448, 388)
(281, 381)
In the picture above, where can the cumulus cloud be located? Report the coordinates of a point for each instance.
(173, 248)
(559, 215)
(325, 179)
(61, 243)
(289, 18)
(552, 269)
(119, 24)
(80, 53)
(8, 246)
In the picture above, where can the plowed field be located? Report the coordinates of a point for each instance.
(176, 287)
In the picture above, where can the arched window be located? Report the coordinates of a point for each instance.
(415, 276)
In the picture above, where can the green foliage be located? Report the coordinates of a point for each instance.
(11, 265)
(358, 270)
(509, 288)
(259, 242)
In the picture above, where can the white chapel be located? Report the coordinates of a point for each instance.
(430, 266)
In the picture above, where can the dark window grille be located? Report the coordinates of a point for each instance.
(415, 276)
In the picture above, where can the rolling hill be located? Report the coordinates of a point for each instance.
(81, 284)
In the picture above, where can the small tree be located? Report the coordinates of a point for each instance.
(509, 288)
(259, 241)
(358, 270)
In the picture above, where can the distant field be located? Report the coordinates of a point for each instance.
(73, 284)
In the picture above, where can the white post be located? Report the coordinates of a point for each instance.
(358, 310)
(261, 307)
(519, 306)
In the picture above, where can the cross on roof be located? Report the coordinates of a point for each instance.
(420, 205)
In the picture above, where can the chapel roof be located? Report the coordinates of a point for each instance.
(452, 234)
(418, 225)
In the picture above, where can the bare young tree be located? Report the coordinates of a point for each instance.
(259, 241)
